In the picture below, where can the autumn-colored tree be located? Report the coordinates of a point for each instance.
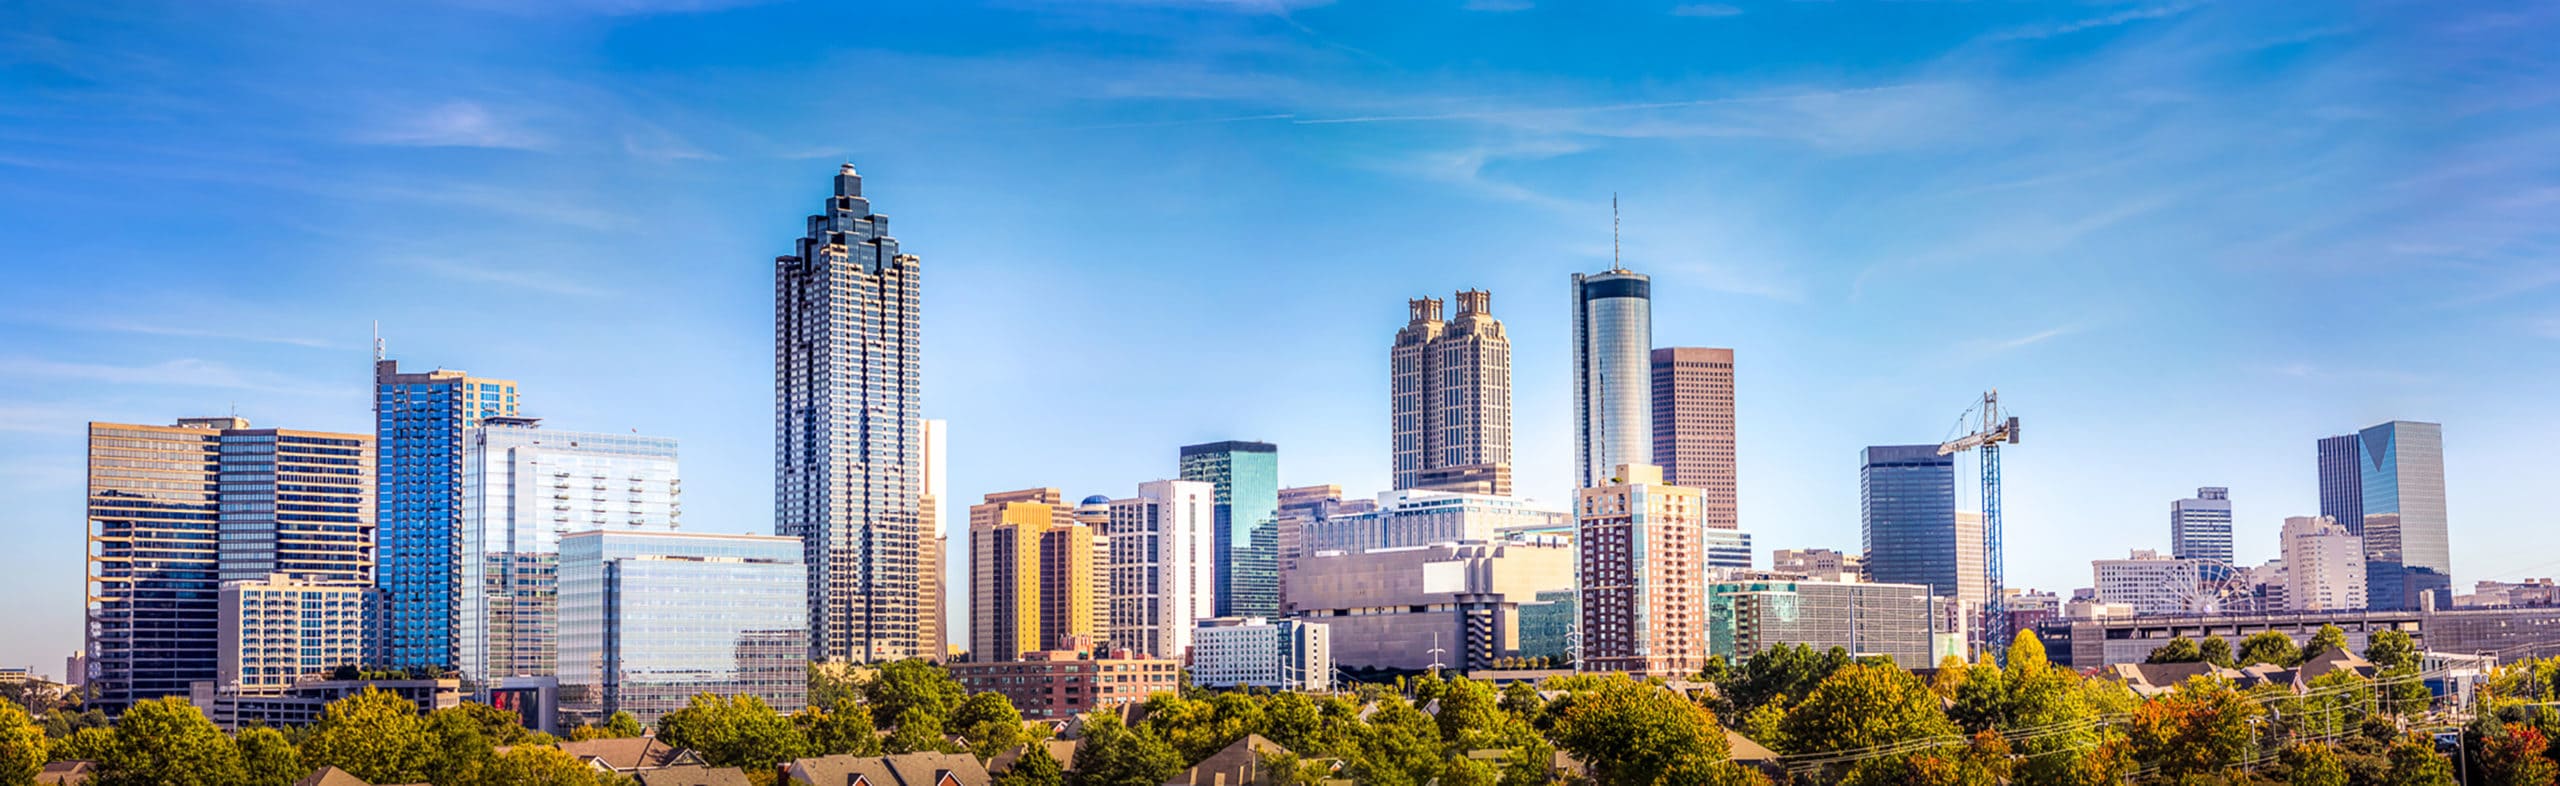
(1864, 705)
(266, 758)
(168, 742)
(2198, 730)
(843, 728)
(375, 735)
(1984, 760)
(2415, 762)
(2517, 755)
(22, 746)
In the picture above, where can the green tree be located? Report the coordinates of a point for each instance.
(90, 744)
(1629, 732)
(830, 683)
(61, 724)
(1864, 705)
(1463, 771)
(463, 742)
(989, 723)
(2216, 650)
(738, 731)
(1402, 747)
(1983, 761)
(268, 759)
(1522, 700)
(914, 682)
(539, 765)
(2268, 647)
(918, 731)
(1981, 699)
(2327, 638)
(1035, 768)
(2387, 649)
(622, 726)
(1471, 715)
(843, 728)
(497, 726)
(2517, 755)
(2196, 731)
(22, 746)
(2179, 650)
(1115, 755)
(374, 735)
(167, 742)
(2313, 764)
(2414, 762)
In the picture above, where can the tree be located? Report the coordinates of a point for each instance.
(1630, 732)
(1983, 761)
(2179, 650)
(374, 735)
(2196, 731)
(2414, 762)
(843, 728)
(168, 742)
(89, 744)
(830, 683)
(1981, 699)
(1522, 700)
(2216, 650)
(989, 722)
(1115, 755)
(1035, 768)
(2313, 764)
(1470, 706)
(2327, 638)
(61, 724)
(739, 731)
(1402, 747)
(268, 759)
(2388, 649)
(22, 746)
(918, 731)
(622, 726)
(2268, 647)
(2516, 755)
(1864, 705)
(914, 682)
(540, 765)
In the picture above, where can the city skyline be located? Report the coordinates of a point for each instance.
(666, 321)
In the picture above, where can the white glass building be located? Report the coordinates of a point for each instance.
(1163, 570)
(648, 619)
(1612, 372)
(1239, 652)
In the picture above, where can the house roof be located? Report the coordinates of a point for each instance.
(67, 773)
(325, 776)
(694, 775)
(626, 754)
(1238, 764)
(2330, 660)
(1746, 751)
(1062, 750)
(905, 769)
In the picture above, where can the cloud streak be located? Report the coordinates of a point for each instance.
(183, 372)
(452, 124)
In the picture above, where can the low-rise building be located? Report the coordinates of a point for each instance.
(1818, 564)
(1055, 684)
(1389, 608)
(1546, 628)
(2155, 584)
(301, 704)
(1898, 621)
(649, 618)
(1240, 652)
(278, 630)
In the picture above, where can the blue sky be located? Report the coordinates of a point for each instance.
(2184, 239)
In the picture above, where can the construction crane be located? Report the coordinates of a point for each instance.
(1989, 433)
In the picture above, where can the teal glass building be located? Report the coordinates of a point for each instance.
(1247, 478)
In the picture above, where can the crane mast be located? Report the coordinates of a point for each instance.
(1988, 434)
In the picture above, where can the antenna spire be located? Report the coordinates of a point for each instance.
(1615, 265)
(377, 341)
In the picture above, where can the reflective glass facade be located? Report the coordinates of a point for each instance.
(1907, 517)
(419, 423)
(848, 436)
(1613, 373)
(648, 619)
(1746, 618)
(1247, 478)
(2396, 491)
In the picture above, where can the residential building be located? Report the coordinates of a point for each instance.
(1031, 574)
(2400, 509)
(650, 618)
(1246, 476)
(1162, 566)
(522, 488)
(1818, 564)
(1693, 420)
(420, 420)
(1450, 397)
(1456, 604)
(1643, 573)
(848, 434)
(1973, 552)
(1727, 549)
(174, 511)
(2028, 608)
(1279, 655)
(904, 769)
(1061, 684)
(1612, 373)
(1547, 623)
(1748, 617)
(2324, 565)
(1907, 520)
(1420, 517)
(279, 630)
(2200, 526)
(2155, 584)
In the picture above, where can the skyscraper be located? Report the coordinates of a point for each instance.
(1693, 426)
(522, 488)
(933, 514)
(1031, 574)
(177, 511)
(419, 422)
(2397, 490)
(1612, 373)
(1247, 478)
(2200, 527)
(1907, 518)
(2323, 566)
(1162, 570)
(1643, 575)
(848, 437)
(1450, 397)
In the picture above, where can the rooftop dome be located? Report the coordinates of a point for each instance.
(1096, 499)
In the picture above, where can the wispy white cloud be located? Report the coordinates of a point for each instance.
(501, 275)
(2125, 17)
(184, 372)
(1465, 168)
(451, 124)
(174, 331)
(1707, 10)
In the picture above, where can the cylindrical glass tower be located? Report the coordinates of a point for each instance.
(1613, 372)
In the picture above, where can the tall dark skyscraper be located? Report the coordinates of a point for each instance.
(1693, 426)
(1247, 548)
(848, 432)
(2395, 488)
(2342, 483)
(1907, 518)
(1450, 397)
(1612, 373)
(419, 422)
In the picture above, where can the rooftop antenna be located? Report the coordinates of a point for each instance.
(1614, 265)
(377, 341)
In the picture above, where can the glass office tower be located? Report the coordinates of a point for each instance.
(2200, 526)
(2398, 492)
(419, 421)
(1612, 373)
(648, 619)
(1247, 478)
(1907, 517)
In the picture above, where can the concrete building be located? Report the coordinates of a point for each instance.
(1162, 566)
(1972, 560)
(1252, 652)
(1643, 575)
(420, 421)
(1062, 684)
(1693, 419)
(1246, 476)
(650, 618)
(2029, 608)
(2154, 584)
(1818, 564)
(1612, 373)
(522, 488)
(933, 513)
(174, 511)
(1745, 618)
(278, 631)
(848, 433)
(1031, 575)
(2324, 565)
(2200, 526)
(1418, 517)
(2397, 494)
(1390, 608)
(2509, 633)
(1450, 398)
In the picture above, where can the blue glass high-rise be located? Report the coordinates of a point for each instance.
(1907, 516)
(419, 420)
(1247, 477)
(2398, 501)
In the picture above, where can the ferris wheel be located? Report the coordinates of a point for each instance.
(2218, 588)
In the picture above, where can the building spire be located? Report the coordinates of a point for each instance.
(1614, 265)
